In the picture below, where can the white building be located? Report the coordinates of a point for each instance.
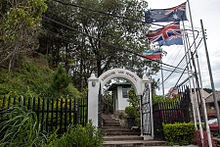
(120, 95)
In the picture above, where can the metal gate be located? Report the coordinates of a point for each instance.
(146, 112)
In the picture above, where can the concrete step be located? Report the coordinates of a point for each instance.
(121, 138)
(111, 122)
(116, 129)
(111, 125)
(120, 133)
(134, 143)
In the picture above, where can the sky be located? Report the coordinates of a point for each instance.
(209, 12)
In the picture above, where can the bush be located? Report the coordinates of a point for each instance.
(161, 99)
(181, 133)
(78, 136)
(197, 139)
(133, 99)
(19, 127)
(131, 111)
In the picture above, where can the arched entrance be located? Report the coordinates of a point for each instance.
(142, 87)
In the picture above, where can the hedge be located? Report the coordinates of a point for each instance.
(181, 133)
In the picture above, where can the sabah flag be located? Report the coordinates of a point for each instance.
(152, 54)
(168, 35)
(177, 13)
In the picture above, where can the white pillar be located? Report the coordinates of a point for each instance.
(93, 92)
(147, 82)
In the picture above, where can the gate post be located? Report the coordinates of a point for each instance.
(93, 90)
(147, 109)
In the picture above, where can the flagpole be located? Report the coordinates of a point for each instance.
(196, 96)
(193, 82)
(200, 78)
(210, 75)
(161, 69)
(186, 48)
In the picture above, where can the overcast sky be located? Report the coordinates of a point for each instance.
(209, 12)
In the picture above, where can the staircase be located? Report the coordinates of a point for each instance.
(118, 136)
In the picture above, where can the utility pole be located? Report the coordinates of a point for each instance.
(200, 80)
(210, 75)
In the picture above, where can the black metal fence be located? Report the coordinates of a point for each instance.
(172, 112)
(52, 114)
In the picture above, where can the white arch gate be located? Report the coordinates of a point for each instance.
(142, 87)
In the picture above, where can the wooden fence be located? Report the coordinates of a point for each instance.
(172, 112)
(52, 114)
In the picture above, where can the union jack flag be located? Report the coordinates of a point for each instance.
(168, 35)
(177, 13)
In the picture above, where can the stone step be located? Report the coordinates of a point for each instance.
(110, 125)
(116, 129)
(134, 143)
(111, 122)
(121, 138)
(110, 119)
(120, 133)
(113, 127)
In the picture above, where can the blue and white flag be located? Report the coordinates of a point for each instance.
(177, 13)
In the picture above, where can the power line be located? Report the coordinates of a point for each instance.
(186, 65)
(184, 57)
(100, 12)
(109, 14)
(126, 50)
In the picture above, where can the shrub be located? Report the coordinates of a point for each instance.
(131, 111)
(133, 99)
(60, 80)
(78, 136)
(181, 133)
(197, 139)
(19, 127)
(162, 99)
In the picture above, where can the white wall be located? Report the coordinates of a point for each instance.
(122, 102)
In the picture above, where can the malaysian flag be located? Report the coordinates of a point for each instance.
(177, 13)
(168, 35)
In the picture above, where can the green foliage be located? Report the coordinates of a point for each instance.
(131, 111)
(30, 79)
(19, 127)
(133, 99)
(19, 28)
(61, 84)
(181, 133)
(78, 136)
(161, 99)
(89, 55)
(60, 79)
(34, 78)
(107, 103)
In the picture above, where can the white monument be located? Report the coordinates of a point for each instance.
(142, 88)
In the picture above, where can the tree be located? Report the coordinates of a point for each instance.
(19, 28)
(60, 80)
(97, 41)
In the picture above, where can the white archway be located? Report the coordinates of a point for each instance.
(142, 87)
